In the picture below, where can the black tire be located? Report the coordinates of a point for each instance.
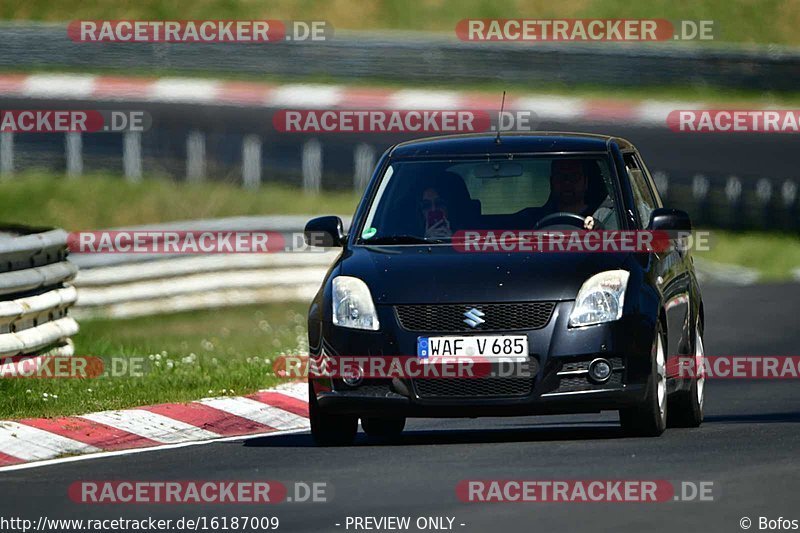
(686, 406)
(328, 429)
(383, 428)
(650, 418)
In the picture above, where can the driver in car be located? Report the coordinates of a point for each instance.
(569, 185)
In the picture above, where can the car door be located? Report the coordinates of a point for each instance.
(670, 267)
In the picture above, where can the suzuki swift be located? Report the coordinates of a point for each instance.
(584, 330)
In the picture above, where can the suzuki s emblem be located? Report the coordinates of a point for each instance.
(474, 319)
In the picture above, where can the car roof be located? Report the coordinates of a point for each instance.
(510, 143)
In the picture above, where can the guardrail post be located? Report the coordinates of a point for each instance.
(251, 162)
(789, 197)
(733, 192)
(788, 193)
(6, 153)
(312, 166)
(764, 197)
(700, 187)
(132, 155)
(195, 156)
(363, 163)
(74, 152)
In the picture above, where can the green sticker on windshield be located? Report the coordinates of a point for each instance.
(368, 233)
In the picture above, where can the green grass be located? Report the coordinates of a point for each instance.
(744, 21)
(96, 202)
(182, 357)
(774, 255)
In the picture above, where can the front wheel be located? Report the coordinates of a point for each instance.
(650, 418)
(686, 406)
(328, 429)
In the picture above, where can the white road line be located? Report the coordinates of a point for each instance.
(59, 85)
(295, 390)
(184, 90)
(420, 99)
(552, 107)
(101, 455)
(306, 96)
(655, 112)
(257, 412)
(151, 425)
(33, 444)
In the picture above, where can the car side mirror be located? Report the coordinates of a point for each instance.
(326, 232)
(666, 219)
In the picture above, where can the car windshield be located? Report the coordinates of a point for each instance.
(420, 202)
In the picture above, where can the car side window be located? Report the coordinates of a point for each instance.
(642, 196)
(649, 180)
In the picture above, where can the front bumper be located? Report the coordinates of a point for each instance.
(557, 384)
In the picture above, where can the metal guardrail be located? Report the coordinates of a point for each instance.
(34, 292)
(130, 285)
(392, 55)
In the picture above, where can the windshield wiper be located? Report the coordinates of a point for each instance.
(402, 239)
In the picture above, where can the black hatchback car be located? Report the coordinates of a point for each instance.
(585, 331)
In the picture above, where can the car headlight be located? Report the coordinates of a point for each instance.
(600, 299)
(352, 304)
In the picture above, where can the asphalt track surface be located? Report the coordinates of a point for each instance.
(748, 447)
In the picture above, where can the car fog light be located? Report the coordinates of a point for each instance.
(353, 376)
(600, 370)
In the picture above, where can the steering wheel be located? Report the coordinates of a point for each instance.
(561, 218)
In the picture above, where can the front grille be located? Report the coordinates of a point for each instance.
(582, 383)
(499, 317)
(616, 362)
(473, 387)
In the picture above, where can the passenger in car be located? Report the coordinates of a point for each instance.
(433, 209)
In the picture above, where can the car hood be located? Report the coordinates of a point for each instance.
(441, 274)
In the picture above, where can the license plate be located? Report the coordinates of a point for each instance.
(490, 347)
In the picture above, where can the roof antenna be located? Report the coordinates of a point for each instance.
(500, 118)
